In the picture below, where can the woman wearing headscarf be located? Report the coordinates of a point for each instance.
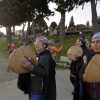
(92, 71)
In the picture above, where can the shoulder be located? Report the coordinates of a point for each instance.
(88, 56)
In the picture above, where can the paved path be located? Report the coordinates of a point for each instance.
(4, 75)
(64, 88)
(9, 91)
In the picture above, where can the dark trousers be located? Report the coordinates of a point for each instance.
(50, 93)
(76, 88)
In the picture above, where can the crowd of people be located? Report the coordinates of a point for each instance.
(84, 69)
(40, 82)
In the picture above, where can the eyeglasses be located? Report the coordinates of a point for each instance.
(96, 41)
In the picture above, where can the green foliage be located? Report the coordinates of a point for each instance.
(67, 42)
(3, 45)
(14, 12)
(10, 13)
(68, 5)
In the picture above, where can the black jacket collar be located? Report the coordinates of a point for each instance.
(44, 52)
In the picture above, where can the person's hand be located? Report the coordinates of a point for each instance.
(27, 65)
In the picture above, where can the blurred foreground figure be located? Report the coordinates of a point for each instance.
(91, 76)
(36, 69)
(11, 47)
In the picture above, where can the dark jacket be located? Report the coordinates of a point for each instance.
(88, 54)
(45, 73)
(75, 76)
(75, 69)
(24, 82)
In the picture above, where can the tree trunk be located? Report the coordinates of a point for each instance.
(28, 27)
(94, 12)
(62, 22)
(61, 27)
(28, 30)
(13, 29)
(9, 34)
(23, 34)
(96, 27)
(33, 28)
(23, 29)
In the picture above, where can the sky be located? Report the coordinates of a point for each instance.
(81, 16)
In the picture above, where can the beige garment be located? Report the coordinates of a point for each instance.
(17, 57)
(92, 71)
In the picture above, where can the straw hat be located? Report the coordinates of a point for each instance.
(74, 52)
(18, 56)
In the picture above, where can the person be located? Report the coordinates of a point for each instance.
(75, 55)
(87, 56)
(11, 47)
(82, 42)
(43, 83)
(91, 72)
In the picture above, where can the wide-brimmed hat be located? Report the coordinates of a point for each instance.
(75, 51)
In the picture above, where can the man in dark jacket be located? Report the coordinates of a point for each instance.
(75, 55)
(43, 73)
(74, 76)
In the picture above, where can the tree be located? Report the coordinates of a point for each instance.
(19, 11)
(14, 12)
(10, 15)
(68, 5)
(88, 24)
(40, 23)
(71, 23)
(94, 12)
(53, 25)
(98, 20)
